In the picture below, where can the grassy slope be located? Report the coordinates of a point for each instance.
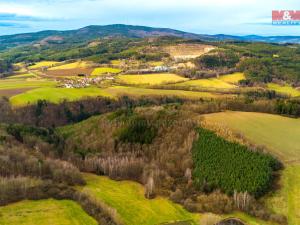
(223, 82)
(9, 84)
(287, 199)
(288, 90)
(151, 79)
(56, 95)
(279, 134)
(45, 212)
(129, 201)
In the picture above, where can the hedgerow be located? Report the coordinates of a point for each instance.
(229, 166)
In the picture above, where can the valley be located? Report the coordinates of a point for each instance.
(129, 125)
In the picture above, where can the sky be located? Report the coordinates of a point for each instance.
(234, 17)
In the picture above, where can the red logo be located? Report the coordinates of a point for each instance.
(285, 15)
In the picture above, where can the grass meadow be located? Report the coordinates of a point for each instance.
(45, 212)
(133, 208)
(56, 95)
(128, 199)
(287, 200)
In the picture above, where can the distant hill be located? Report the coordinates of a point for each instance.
(120, 30)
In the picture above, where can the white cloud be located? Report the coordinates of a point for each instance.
(202, 16)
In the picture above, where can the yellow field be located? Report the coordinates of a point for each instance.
(150, 79)
(288, 90)
(232, 78)
(43, 64)
(74, 65)
(104, 70)
(116, 62)
(207, 83)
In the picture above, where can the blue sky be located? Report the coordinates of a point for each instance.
(237, 17)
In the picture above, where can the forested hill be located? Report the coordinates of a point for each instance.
(93, 32)
(120, 30)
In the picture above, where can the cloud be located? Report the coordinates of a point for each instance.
(200, 16)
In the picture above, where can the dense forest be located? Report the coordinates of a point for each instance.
(230, 166)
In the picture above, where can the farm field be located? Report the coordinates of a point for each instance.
(223, 82)
(56, 95)
(41, 64)
(45, 212)
(103, 70)
(232, 78)
(288, 90)
(74, 65)
(150, 79)
(138, 92)
(23, 82)
(207, 83)
(279, 134)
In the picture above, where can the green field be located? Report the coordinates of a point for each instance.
(133, 208)
(6, 84)
(288, 90)
(279, 134)
(129, 201)
(104, 70)
(150, 79)
(56, 95)
(45, 212)
(287, 200)
(138, 92)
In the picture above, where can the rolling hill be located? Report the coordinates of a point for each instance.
(129, 31)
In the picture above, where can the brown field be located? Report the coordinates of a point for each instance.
(69, 72)
(11, 92)
(188, 51)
